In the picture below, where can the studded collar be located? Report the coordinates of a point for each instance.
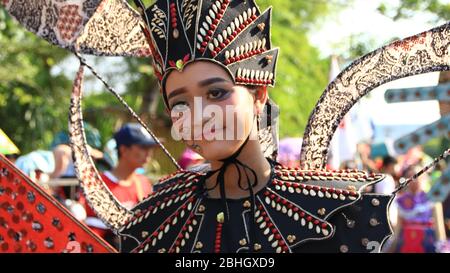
(293, 208)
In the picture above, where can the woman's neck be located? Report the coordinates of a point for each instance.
(251, 156)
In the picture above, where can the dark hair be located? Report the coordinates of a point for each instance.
(388, 160)
(118, 149)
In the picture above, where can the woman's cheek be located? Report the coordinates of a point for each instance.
(180, 128)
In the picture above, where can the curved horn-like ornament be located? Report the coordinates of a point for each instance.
(99, 197)
(98, 27)
(422, 53)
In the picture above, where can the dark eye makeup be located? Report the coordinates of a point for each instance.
(217, 94)
(212, 93)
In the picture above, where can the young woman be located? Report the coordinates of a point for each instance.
(247, 202)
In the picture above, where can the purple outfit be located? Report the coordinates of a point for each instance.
(417, 233)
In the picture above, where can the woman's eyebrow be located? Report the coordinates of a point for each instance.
(211, 81)
(176, 92)
(203, 83)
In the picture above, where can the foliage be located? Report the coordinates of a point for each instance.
(33, 102)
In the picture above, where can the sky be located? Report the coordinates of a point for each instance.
(362, 18)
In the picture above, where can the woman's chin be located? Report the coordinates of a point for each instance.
(218, 149)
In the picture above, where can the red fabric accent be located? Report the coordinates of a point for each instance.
(127, 196)
(413, 238)
(19, 213)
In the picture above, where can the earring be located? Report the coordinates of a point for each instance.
(258, 121)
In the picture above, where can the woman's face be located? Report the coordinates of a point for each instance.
(213, 115)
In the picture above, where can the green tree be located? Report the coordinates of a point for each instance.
(33, 101)
(407, 9)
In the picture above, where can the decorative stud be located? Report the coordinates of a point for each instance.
(247, 204)
(364, 241)
(56, 223)
(144, 234)
(321, 211)
(162, 250)
(89, 248)
(350, 223)
(343, 249)
(73, 237)
(176, 33)
(199, 245)
(243, 242)
(31, 245)
(201, 208)
(375, 202)
(220, 217)
(261, 26)
(257, 247)
(373, 222)
(291, 238)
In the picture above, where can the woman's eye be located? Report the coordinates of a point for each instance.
(216, 93)
(180, 106)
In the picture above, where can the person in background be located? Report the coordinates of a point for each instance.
(415, 232)
(389, 168)
(63, 154)
(134, 149)
(348, 164)
(365, 162)
(63, 169)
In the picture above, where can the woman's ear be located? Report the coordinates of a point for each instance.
(260, 98)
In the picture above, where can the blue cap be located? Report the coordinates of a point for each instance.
(133, 133)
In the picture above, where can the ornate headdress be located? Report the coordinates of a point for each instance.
(232, 34)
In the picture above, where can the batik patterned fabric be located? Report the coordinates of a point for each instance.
(422, 53)
(99, 27)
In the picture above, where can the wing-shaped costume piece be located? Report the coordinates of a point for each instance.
(296, 210)
(97, 193)
(422, 53)
(31, 221)
(98, 27)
